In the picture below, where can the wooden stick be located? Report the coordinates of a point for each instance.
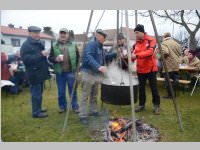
(166, 71)
(75, 82)
(130, 78)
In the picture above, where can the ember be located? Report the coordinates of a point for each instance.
(120, 130)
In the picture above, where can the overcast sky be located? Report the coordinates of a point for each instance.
(77, 20)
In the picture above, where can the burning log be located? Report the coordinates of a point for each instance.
(120, 130)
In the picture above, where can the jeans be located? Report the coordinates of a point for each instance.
(175, 77)
(153, 85)
(61, 80)
(36, 97)
(15, 89)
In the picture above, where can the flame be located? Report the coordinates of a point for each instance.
(116, 126)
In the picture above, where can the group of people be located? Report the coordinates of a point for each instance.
(173, 58)
(13, 69)
(64, 56)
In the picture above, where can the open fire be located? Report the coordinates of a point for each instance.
(120, 130)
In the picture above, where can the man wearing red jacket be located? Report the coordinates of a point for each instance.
(145, 55)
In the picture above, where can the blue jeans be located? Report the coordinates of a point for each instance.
(61, 80)
(36, 97)
(15, 89)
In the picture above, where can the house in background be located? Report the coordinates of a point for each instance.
(111, 38)
(14, 37)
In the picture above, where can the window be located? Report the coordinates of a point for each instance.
(15, 42)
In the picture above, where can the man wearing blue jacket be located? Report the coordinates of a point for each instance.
(93, 68)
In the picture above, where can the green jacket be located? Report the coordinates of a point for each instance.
(71, 46)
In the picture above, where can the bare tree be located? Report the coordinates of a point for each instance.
(182, 37)
(189, 19)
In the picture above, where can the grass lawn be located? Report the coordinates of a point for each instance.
(18, 125)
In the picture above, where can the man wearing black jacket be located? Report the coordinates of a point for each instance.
(35, 60)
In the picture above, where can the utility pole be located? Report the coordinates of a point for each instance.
(117, 23)
(136, 18)
(130, 78)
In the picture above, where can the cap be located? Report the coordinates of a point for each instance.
(64, 30)
(167, 34)
(34, 29)
(193, 52)
(100, 31)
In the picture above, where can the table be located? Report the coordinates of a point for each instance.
(187, 71)
(6, 83)
(188, 68)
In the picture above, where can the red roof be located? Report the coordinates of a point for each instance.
(20, 32)
(112, 33)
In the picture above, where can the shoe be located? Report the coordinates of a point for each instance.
(167, 97)
(76, 110)
(96, 114)
(84, 121)
(139, 108)
(43, 110)
(62, 111)
(156, 110)
(40, 115)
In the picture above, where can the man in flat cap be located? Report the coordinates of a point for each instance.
(145, 55)
(66, 58)
(172, 55)
(92, 69)
(34, 57)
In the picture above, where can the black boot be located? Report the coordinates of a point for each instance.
(40, 115)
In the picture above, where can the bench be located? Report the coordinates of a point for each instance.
(184, 82)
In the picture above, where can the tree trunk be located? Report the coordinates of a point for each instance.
(193, 42)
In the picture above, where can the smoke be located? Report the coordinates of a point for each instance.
(115, 75)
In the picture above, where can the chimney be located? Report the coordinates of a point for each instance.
(11, 25)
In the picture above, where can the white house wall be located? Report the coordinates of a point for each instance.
(7, 39)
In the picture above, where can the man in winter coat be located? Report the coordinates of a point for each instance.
(145, 55)
(34, 57)
(92, 68)
(65, 59)
(172, 55)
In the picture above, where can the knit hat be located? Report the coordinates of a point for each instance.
(120, 36)
(139, 28)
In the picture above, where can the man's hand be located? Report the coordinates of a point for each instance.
(119, 49)
(45, 53)
(103, 69)
(59, 59)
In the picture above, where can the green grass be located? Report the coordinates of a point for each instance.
(18, 125)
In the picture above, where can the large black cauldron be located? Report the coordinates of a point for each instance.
(117, 95)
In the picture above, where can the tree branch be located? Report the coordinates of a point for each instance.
(184, 23)
(197, 13)
(168, 16)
